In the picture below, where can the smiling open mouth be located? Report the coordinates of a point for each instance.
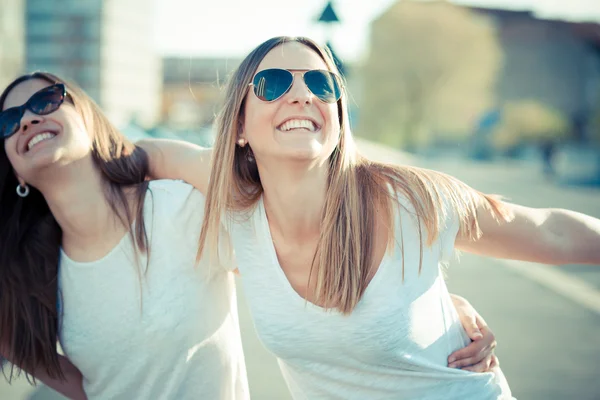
(297, 124)
(40, 137)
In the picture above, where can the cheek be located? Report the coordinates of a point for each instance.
(75, 129)
(333, 111)
(330, 114)
(10, 150)
(258, 118)
(82, 136)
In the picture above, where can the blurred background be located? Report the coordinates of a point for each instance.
(504, 94)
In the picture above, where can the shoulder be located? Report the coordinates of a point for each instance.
(429, 204)
(175, 199)
(174, 190)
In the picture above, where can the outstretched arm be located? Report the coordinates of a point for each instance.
(548, 236)
(177, 159)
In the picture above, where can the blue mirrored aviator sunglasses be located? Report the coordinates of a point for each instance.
(271, 84)
(42, 102)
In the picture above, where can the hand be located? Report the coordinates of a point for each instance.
(479, 355)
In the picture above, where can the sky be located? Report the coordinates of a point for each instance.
(231, 28)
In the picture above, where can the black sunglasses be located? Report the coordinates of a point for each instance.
(271, 84)
(42, 102)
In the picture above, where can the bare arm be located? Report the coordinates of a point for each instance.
(176, 159)
(548, 236)
(71, 387)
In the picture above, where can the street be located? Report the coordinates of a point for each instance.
(548, 337)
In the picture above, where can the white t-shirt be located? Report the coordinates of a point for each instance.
(394, 344)
(169, 333)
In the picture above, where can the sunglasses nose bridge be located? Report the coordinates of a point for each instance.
(29, 118)
(299, 91)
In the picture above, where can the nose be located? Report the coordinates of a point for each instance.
(299, 93)
(29, 119)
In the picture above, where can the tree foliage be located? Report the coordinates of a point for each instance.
(529, 121)
(429, 75)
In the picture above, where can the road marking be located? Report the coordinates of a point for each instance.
(559, 282)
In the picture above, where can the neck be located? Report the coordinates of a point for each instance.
(76, 198)
(294, 197)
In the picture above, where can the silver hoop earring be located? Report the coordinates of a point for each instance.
(22, 190)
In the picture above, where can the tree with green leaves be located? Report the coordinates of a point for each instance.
(529, 121)
(430, 72)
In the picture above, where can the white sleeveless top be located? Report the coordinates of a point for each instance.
(394, 344)
(176, 338)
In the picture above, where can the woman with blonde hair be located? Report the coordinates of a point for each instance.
(340, 256)
(97, 257)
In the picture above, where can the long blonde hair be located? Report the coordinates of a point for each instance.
(358, 193)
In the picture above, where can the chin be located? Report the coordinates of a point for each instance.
(45, 163)
(49, 159)
(304, 154)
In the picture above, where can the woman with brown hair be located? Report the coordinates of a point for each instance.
(341, 256)
(94, 255)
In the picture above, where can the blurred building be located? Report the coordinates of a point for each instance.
(12, 40)
(545, 85)
(105, 46)
(553, 62)
(192, 89)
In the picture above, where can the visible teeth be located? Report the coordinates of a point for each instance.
(297, 124)
(39, 138)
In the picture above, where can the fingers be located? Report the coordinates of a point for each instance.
(470, 355)
(488, 338)
(468, 317)
(469, 321)
(467, 362)
(472, 329)
(476, 326)
(475, 352)
(479, 355)
(487, 365)
(482, 366)
(495, 362)
(481, 324)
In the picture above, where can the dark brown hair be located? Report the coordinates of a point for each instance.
(30, 237)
